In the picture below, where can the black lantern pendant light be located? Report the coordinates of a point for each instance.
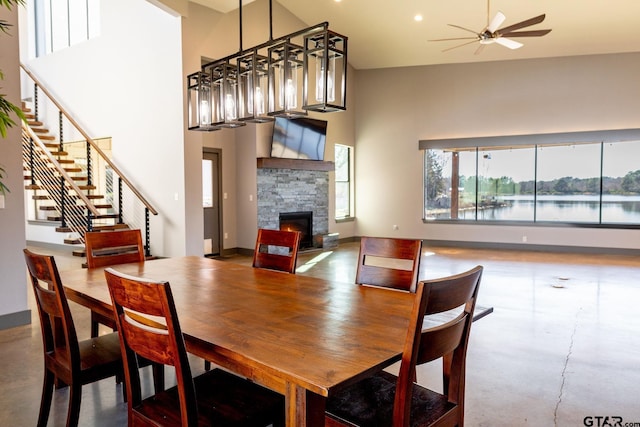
(288, 76)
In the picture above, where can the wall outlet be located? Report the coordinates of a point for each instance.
(226, 235)
(251, 197)
(395, 227)
(524, 239)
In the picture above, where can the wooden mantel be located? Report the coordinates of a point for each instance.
(299, 164)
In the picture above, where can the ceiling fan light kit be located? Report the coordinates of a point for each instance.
(492, 33)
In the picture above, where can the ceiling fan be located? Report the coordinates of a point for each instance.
(492, 33)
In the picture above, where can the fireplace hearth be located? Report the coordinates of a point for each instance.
(299, 221)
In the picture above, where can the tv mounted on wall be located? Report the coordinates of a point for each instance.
(299, 138)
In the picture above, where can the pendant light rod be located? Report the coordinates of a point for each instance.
(270, 21)
(318, 27)
(240, 26)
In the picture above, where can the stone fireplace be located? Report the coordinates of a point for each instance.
(294, 186)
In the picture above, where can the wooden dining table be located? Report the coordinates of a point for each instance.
(301, 336)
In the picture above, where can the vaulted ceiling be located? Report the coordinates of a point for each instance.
(383, 33)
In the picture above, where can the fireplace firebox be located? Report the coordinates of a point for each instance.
(299, 221)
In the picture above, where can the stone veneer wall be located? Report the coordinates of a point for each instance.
(289, 190)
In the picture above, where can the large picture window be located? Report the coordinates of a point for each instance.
(579, 182)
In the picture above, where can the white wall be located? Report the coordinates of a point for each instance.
(397, 107)
(14, 308)
(127, 84)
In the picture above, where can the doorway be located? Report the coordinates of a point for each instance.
(211, 185)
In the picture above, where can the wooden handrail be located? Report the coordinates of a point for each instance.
(60, 169)
(91, 141)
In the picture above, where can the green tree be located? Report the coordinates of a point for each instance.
(563, 185)
(631, 182)
(7, 109)
(436, 184)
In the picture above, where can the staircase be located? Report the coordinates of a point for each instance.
(74, 185)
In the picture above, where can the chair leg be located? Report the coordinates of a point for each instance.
(47, 395)
(158, 377)
(207, 365)
(95, 326)
(75, 397)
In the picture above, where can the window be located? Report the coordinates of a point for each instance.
(344, 181)
(594, 183)
(63, 23)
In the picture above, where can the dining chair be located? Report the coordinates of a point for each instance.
(66, 359)
(149, 327)
(277, 250)
(389, 262)
(385, 399)
(105, 248)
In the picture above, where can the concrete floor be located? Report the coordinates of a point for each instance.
(561, 348)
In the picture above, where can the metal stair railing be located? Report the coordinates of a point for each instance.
(47, 174)
(129, 205)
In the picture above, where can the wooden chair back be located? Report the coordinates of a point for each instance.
(58, 329)
(148, 324)
(277, 250)
(389, 262)
(104, 248)
(448, 341)
(67, 361)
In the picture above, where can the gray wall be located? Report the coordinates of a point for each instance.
(397, 107)
(14, 308)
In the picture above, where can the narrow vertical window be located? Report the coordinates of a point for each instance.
(344, 181)
(63, 23)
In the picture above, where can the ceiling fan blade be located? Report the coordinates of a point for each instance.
(454, 38)
(526, 23)
(460, 45)
(532, 33)
(511, 44)
(463, 28)
(496, 22)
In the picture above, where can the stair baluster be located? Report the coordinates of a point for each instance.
(147, 233)
(63, 204)
(120, 202)
(89, 165)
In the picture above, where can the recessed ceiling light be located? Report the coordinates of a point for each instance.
(417, 18)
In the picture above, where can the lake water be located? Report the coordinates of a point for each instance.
(582, 208)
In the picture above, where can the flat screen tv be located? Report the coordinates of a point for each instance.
(299, 138)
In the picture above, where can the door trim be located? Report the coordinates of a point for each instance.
(217, 151)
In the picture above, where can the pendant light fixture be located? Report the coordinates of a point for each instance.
(325, 65)
(288, 76)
